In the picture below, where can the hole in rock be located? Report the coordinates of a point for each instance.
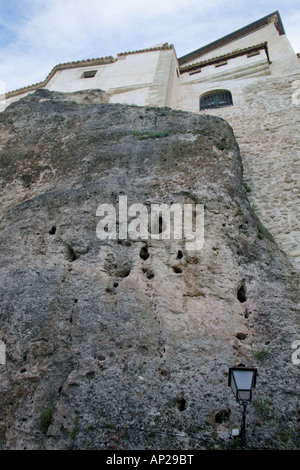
(149, 274)
(177, 269)
(241, 336)
(222, 415)
(179, 254)
(165, 373)
(241, 294)
(123, 272)
(52, 230)
(70, 254)
(181, 404)
(144, 254)
(247, 313)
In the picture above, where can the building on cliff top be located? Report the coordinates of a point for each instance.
(250, 77)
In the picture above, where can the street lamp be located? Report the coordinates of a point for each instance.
(242, 380)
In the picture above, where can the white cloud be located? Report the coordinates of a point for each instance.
(66, 30)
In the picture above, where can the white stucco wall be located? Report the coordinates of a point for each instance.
(128, 79)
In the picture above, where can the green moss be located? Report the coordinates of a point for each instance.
(261, 354)
(263, 232)
(262, 405)
(150, 135)
(75, 429)
(46, 418)
(247, 189)
(261, 229)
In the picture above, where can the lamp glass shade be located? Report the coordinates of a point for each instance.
(242, 381)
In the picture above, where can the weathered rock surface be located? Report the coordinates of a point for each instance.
(126, 344)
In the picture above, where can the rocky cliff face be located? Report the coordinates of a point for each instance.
(126, 343)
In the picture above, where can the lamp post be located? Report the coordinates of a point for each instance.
(242, 380)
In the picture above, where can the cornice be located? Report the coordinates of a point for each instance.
(164, 47)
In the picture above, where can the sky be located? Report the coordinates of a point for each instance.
(36, 35)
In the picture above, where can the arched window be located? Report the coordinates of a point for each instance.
(216, 99)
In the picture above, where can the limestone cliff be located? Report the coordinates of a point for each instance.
(126, 343)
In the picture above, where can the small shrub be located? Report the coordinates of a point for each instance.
(286, 434)
(262, 405)
(46, 418)
(261, 354)
(263, 232)
(261, 228)
(247, 189)
(75, 429)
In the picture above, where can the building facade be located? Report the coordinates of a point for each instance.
(251, 78)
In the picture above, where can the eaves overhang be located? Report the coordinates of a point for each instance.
(57, 68)
(250, 28)
(232, 55)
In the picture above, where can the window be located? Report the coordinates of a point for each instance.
(89, 73)
(216, 99)
(220, 64)
(252, 54)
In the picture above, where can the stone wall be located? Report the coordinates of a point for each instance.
(265, 119)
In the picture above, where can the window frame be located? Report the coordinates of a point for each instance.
(89, 73)
(215, 99)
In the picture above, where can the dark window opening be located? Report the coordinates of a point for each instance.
(252, 54)
(216, 99)
(89, 73)
(220, 64)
